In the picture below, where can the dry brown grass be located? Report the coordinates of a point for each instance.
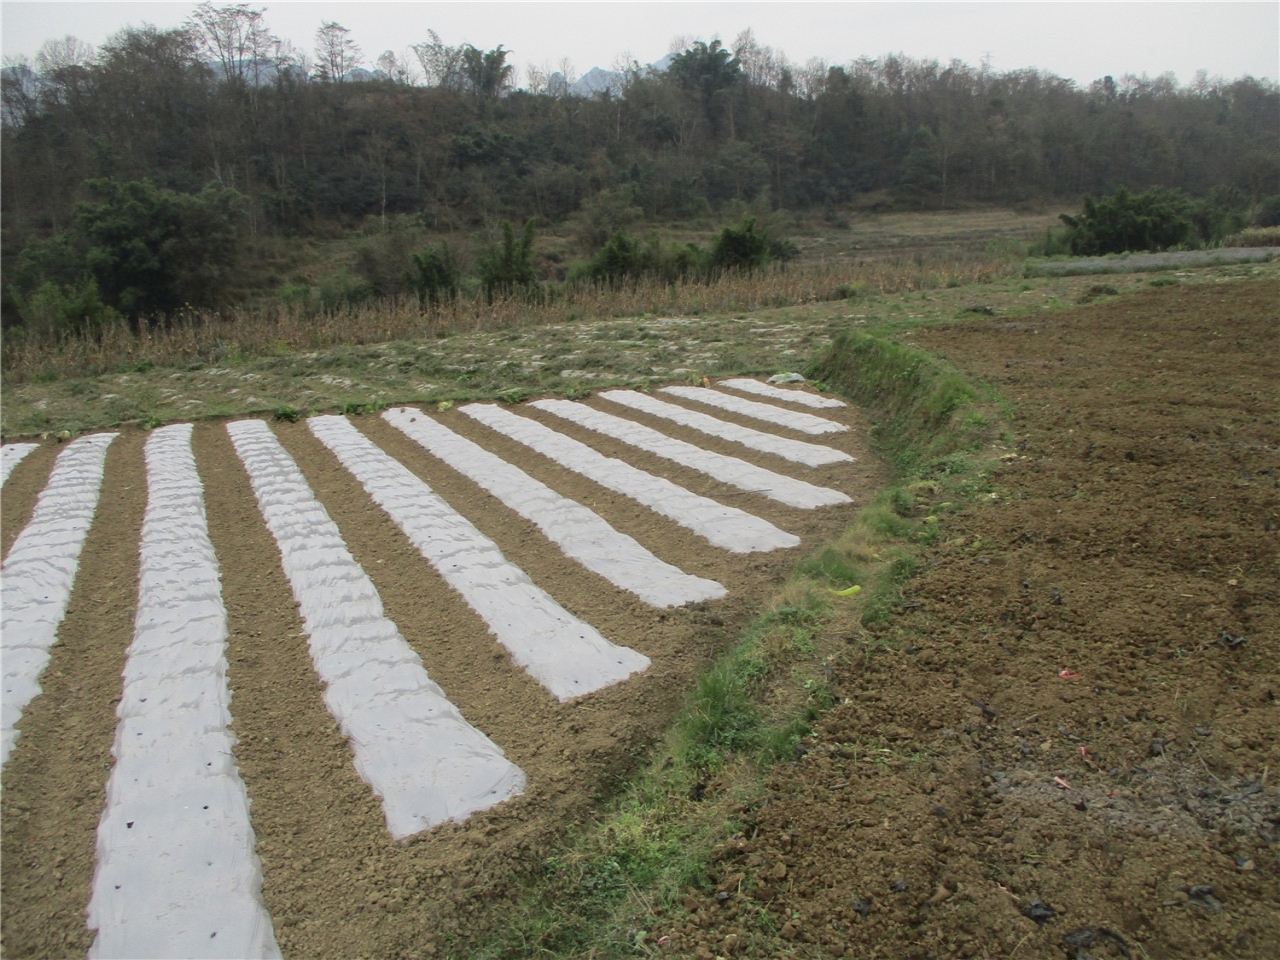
(240, 333)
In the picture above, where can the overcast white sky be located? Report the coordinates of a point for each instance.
(1079, 40)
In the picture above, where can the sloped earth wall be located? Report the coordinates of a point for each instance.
(342, 874)
(1065, 745)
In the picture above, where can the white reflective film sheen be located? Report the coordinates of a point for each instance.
(797, 451)
(39, 572)
(726, 527)
(811, 400)
(794, 419)
(730, 470)
(411, 745)
(177, 875)
(568, 657)
(581, 533)
(12, 454)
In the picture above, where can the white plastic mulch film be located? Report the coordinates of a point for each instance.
(792, 419)
(580, 532)
(726, 527)
(811, 400)
(411, 745)
(38, 574)
(177, 875)
(12, 454)
(797, 451)
(730, 470)
(568, 657)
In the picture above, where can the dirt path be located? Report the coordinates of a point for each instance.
(334, 881)
(1067, 739)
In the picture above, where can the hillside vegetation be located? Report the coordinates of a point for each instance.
(214, 167)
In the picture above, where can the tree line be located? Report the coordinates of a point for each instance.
(299, 144)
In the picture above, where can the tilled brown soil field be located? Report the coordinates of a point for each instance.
(1066, 743)
(335, 883)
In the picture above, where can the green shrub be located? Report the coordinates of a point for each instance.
(1268, 212)
(1224, 211)
(341, 291)
(602, 216)
(624, 259)
(1123, 222)
(296, 294)
(435, 276)
(744, 248)
(148, 251)
(55, 310)
(507, 266)
(1054, 243)
(782, 249)
(722, 715)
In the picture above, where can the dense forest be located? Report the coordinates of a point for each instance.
(222, 127)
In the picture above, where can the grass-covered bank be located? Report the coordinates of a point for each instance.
(626, 883)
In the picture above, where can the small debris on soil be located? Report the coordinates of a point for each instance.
(1088, 936)
(1202, 897)
(1039, 912)
(1227, 641)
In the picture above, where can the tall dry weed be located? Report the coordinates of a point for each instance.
(212, 338)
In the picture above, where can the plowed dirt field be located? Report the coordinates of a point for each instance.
(1066, 745)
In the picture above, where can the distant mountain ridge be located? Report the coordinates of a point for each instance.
(598, 80)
